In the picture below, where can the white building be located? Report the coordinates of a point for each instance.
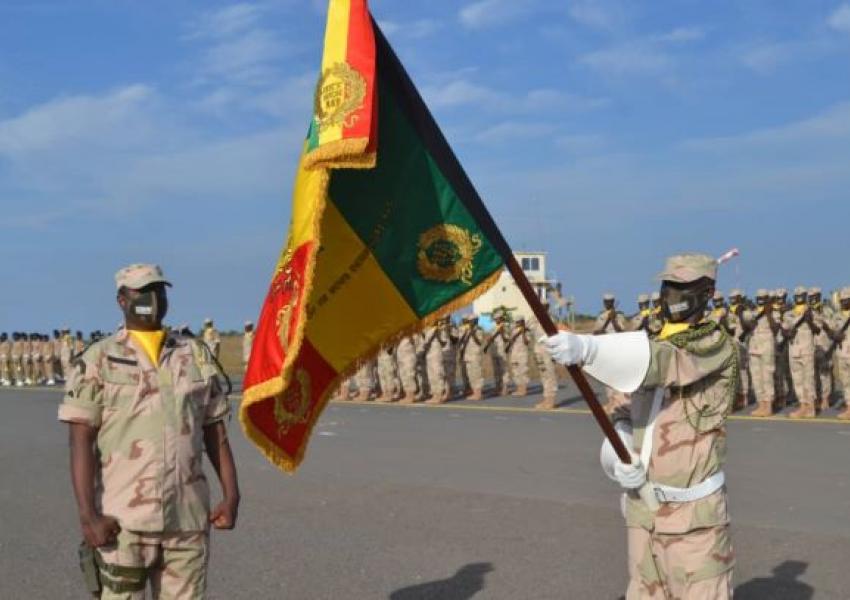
(507, 293)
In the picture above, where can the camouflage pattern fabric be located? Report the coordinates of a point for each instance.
(699, 371)
(499, 356)
(801, 357)
(470, 357)
(405, 354)
(519, 354)
(762, 354)
(150, 421)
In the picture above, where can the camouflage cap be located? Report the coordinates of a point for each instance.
(137, 276)
(801, 290)
(685, 268)
(608, 296)
(655, 297)
(643, 298)
(736, 292)
(208, 321)
(718, 295)
(762, 293)
(844, 294)
(781, 292)
(249, 323)
(814, 291)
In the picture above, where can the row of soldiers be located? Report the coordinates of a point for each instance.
(425, 366)
(36, 358)
(785, 347)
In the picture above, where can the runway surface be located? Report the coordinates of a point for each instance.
(487, 500)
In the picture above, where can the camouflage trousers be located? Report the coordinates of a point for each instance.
(546, 368)
(436, 374)
(692, 566)
(763, 373)
(472, 373)
(842, 362)
(501, 371)
(173, 565)
(519, 364)
(388, 375)
(823, 368)
(407, 372)
(803, 377)
(5, 368)
(450, 368)
(364, 379)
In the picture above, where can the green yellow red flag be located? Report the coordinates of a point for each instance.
(387, 236)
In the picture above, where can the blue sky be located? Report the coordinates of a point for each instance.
(608, 133)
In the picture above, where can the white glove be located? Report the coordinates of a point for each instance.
(569, 348)
(631, 476)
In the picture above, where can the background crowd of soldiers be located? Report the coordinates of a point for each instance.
(426, 366)
(36, 358)
(789, 350)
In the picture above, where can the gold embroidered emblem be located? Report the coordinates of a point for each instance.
(446, 253)
(291, 407)
(340, 91)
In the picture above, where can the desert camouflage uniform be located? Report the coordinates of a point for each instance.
(448, 338)
(150, 421)
(212, 338)
(823, 363)
(5, 362)
(388, 375)
(736, 330)
(545, 365)
(762, 357)
(801, 356)
(470, 359)
(499, 356)
(684, 550)
(66, 350)
(27, 360)
(518, 348)
(17, 359)
(783, 375)
(247, 345)
(433, 350)
(48, 359)
(841, 354)
(406, 357)
(364, 380)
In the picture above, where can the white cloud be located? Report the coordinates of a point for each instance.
(765, 58)
(598, 14)
(633, 58)
(226, 21)
(507, 131)
(681, 35)
(412, 30)
(840, 18)
(489, 13)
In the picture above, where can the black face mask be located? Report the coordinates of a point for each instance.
(799, 299)
(761, 301)
(145, 309)
(719, 303)
(681, 301)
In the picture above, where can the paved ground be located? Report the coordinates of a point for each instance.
(455, 502)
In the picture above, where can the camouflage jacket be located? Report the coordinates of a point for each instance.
(699, 377)
(150, 422)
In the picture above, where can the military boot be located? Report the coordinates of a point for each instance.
(548, 403)
(521, 390)
(764, 409)
(845, 416)
(384, 398)
(408, 399)
(806, 411)
(475, 395)
(437, 399)
(504, 391)
(780, 403)
(824, 404)
(361, 397)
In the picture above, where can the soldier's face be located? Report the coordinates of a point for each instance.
(683, 302)
(144, 309)
(814, 300)
(761, 300)
(800, 299)
(609, 304)
(719, 302)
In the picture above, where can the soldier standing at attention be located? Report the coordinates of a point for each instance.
(824, 316)
(735, 328)
(142, 407)
(682, 387)
(610, 320)
(48, 357)
(545, 365)
(17, 358)
(387, 375)
(782, 376)
(763, 325)
(405, 354)
(497, 344)
(247, 343)
(799, 329)
(449, 338)
(517, 349)
(5, 360)
(471, 341)
(66, 349)
(211, 337)
(841, 348)
(656, 321)
(434, 365)
(640, 322)
(364, 381)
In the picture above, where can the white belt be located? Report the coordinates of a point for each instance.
(666, 493)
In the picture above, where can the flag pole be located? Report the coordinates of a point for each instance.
(449, 164)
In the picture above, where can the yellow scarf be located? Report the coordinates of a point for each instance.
(151, 343)
(846, 313)
(672, 329)
(645, 312)
(718, 312)
(799, 309)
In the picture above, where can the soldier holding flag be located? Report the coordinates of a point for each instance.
(682, 388)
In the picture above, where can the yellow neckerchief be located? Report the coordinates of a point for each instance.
(672, 329)
(150, 341)
(645, 312)
(656, 310)
(846, 313)
(718, 312)
(799, 309)
(817, 306)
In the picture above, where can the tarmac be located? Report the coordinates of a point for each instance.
(464, 500)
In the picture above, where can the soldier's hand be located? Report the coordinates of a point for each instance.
(224, 515)
(100, 531)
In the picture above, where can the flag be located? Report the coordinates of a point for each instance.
(727, 256)
(387, 235)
